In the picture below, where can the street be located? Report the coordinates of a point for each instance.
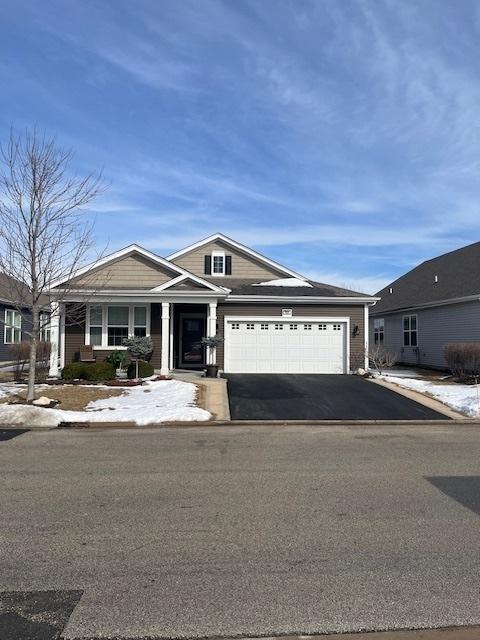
(247, 531)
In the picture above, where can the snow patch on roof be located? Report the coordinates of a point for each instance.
(283, 282)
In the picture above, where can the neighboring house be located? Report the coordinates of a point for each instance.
(436, 303)
(15, 320)
(272, 319)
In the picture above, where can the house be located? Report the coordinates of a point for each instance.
(433, 304)
(272, 319)
(15, 318)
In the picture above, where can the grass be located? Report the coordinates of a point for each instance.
(72, 398)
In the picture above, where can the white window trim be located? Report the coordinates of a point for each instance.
(409, 331)
(7, 326)
(105, 346)
(45, 329)
(377, 324)
(218, 254)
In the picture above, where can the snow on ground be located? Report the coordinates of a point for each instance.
(153, 402)
(461, 397)
(284, 282)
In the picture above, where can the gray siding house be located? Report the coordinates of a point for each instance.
(433, 304)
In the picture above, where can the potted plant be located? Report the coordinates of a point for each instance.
(139, 348)
(118, 359)
(211, 342)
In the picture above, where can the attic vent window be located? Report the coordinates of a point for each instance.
(435, 279)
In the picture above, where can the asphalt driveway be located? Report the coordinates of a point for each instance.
(318, 397)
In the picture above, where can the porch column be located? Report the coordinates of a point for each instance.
(165, 359)
(211, 331)
(54, 337)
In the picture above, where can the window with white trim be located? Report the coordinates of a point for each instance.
(109, 325)
(44, 326)
(13, 327)
(218, 263)
(410, 337)
(378, 330)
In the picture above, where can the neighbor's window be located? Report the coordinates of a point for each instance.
(13, 326)
(117, 326)
(140, 321)
(45, 326)
(410, 331)
(218, 264)
(96, 323)
(378, 330)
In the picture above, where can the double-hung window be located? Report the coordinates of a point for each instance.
(410, 338)
(13, 326)
(109, 325)
(378, 330)
(218, 263)
(44, 326)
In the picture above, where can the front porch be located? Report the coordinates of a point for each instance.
(176, 329)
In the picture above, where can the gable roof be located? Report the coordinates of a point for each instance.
(240, 247)
(457, 273)
(136, 249)
(185, 278)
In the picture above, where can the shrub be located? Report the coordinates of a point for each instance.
(43, 359)
(117, 358)
(19, 353)
(463, 359)
(145, 369)
(94, 371)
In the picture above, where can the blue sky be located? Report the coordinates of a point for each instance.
(341, 138)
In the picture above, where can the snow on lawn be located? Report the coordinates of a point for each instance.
(461, 397)
(284, 282)
(153, 402)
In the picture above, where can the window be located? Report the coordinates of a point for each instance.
(218, 263)
(264, 326)
(13, 326)
(250, 326)
(337, 327)
(378, 330)
(410, 331)
(322, 327)
(45, 326)
(109, 325)
(96, 324)
(140, 322)
(279, 326)
(235, 325)
(294, 327)
(307, 327)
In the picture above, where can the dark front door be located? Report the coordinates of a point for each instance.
(192, 330)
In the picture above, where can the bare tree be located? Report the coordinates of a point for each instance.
(381, 358)
(44, 235)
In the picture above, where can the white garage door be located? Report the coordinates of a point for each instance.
(285, 346)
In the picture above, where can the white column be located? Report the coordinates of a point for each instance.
(54, 335)
(165, 360)
(62, 335)
(366, 330)
(211, 331)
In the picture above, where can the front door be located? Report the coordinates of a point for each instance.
(192, 330)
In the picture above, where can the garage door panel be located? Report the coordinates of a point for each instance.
(270, 346)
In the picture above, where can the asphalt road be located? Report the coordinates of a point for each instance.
(318, 397)
(245, 531)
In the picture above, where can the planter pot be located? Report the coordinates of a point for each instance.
(121, 374)
(212, 370)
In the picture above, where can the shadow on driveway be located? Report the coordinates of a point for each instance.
(318, 397)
